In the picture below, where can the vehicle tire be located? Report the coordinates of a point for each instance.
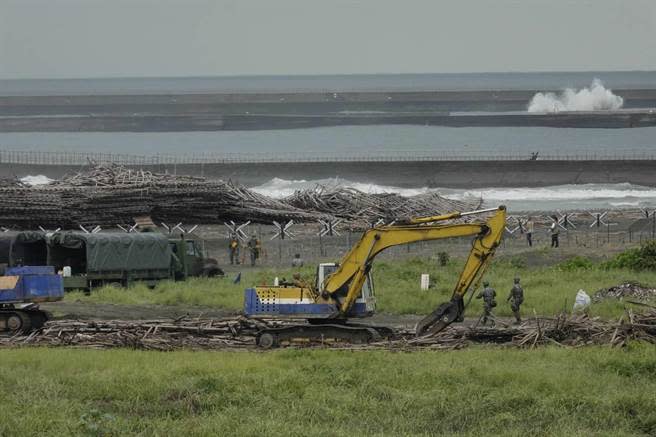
(267, 341)
(213, 273)
(19, 322)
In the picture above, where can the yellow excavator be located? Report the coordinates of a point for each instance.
(345, 290)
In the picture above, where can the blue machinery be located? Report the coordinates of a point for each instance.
(21, 290)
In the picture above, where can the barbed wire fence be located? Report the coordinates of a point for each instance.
(593, 231)
(31, 157)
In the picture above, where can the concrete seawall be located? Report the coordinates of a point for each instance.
(447, 174)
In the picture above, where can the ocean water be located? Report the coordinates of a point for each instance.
(329, 83)
(352, 140)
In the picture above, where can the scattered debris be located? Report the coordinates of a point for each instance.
(627, 289)
(581, 301)
(240, 333)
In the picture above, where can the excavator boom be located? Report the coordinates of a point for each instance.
(355, 265)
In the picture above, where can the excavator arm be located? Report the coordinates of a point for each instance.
(346, 283)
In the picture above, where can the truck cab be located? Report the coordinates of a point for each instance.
(191, 260)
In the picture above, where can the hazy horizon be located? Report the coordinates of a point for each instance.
(86, 39)
(226, 76)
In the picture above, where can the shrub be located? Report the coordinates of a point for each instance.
(576, 263)
(518, 262)
(642, 258)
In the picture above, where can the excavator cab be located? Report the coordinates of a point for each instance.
(365, 303)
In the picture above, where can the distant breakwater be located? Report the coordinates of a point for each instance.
(405, 174)
(209, 122)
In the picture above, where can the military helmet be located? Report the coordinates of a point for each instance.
(516, 279)
(485, 283)
(297, 276)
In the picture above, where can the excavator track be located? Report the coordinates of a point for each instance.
(352, 333)
(19, 320)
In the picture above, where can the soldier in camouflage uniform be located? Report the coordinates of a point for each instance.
(488, 294)
(517, 296)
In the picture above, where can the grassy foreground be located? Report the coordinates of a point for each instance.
(549, 289)
(478, 391)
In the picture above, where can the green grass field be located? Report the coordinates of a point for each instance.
(549, 289)
(478, 391)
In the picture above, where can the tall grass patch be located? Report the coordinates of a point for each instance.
(478, 391)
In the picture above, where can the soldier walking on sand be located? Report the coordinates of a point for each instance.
(516, 298)
(254, 248)
(488, 294)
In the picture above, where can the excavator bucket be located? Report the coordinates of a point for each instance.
(443, 316)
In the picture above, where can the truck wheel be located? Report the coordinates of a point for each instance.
(267, 341)
(213, 273)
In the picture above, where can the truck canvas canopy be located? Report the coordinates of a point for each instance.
(103, 252)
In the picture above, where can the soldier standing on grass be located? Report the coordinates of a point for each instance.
(234, 250)
(554, 232)
(517, 296)
(488, 294)
(297, 261)
(254, 247)
(530, 228)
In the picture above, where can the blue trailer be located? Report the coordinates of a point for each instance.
(21, 291)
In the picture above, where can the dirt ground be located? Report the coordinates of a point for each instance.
(105, 311)
(96, 311)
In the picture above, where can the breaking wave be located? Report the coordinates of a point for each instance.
(279, 188)
(594, 98)
(573, 197)
(36, 180)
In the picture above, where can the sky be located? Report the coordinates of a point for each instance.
(158, 38)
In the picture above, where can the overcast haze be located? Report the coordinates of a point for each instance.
(132, 38)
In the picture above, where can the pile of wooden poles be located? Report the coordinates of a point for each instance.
(10, 183)
(363, 209)
(240, 333)
(159, 334)
(114, 175)
(110, 195)
(107, 195)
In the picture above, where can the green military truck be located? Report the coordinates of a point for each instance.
(90, 260)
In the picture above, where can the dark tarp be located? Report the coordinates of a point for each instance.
(116, 251)
(29, 246)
